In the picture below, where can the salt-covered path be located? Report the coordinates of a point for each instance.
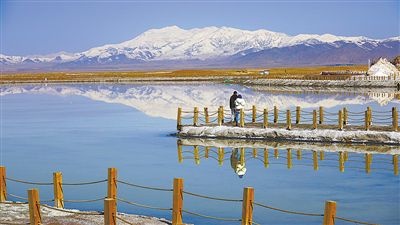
(280, 134)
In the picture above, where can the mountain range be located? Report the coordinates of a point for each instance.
(213, 47)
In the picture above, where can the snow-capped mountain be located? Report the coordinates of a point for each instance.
(219, 45)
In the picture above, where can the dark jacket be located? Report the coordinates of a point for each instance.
(232, 101)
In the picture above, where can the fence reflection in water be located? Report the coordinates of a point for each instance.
(308, 158)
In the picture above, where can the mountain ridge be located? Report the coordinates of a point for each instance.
(222, 44)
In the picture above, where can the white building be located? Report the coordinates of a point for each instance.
(263, 72)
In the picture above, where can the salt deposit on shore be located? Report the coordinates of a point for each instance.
(20, 214)
(318, 135)
(383, 68)
(326, 147)
(325, 83)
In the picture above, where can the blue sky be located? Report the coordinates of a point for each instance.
(42, 27)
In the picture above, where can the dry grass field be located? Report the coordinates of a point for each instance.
(280, 73)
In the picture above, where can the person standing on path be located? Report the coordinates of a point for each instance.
(239, 104)
(232, 105)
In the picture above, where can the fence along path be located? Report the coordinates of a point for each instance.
(219, 155)
(110, 201)
(299, 118)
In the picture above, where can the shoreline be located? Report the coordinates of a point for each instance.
(19, 213)
(317, 146)
(241, 80)
(282, 135)
(325, 83)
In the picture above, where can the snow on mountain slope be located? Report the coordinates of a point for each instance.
(174, 43)
(163, 100)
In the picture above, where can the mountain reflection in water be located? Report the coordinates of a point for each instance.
(240, 153)
(162, 100)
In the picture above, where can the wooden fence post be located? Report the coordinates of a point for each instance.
(298, 153)
(345, 116)
(329, 213)
(195, 116)
(396, 164)
(276, 153)
(266, 163)
(340, 120)
(242, 156)
(247, 207)
(221, 154)
(3, 184)
(288, 120)
(177, 202)
(341, 162)
(58, 190)
(315, 160)
(180, 156)
(196, 154)
(366, 120)
(179, 119)
(321, 115)
(314, 119)
(110, 211)
(265, 122)
(395, 118)
(254, 114)
(275, 114)
(112, 183)
(297, 114)
(222, 114)
(206, 152)
(321, 155)
(368, 160)
(289, 158)
(255, 154)
(219, 116)
(206, 116)
(34, 207)
(369, 116)
(241, 117)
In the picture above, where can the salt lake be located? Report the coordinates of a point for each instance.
(83, 129)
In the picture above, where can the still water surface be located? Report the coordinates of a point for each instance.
(81, 130)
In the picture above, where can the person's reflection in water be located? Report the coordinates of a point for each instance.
(238, 162)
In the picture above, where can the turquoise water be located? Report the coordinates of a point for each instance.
(81, 130)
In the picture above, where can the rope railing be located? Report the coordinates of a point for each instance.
(142, 205)
(85, 183)
(29, 182)
(287, 211)
(83, 201)
(354, 221)
(14, 203)
(72, 211)
(17, 197)
(210, 217)
(144, 187)
(319, 118)
(12, 223)
(213, 198)
(178, 195)
(125, 221)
